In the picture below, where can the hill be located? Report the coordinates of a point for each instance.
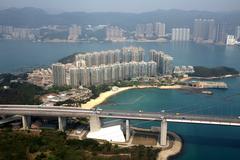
(172, 18)
(213, 72)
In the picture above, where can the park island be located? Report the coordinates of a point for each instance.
(88, 80)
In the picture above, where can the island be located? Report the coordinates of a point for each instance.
(215, 72)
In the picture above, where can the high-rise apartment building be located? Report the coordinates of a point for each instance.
(59, 74)
(211, 30)
(74, 32)
(220, 34)
(132, 54)
(126, 54)
(105, 74)
(237, 34)
(167, 65)
(164, 62)
(114, 33)
(107, 77)
(151, 69)
(149, 30)
(159, 29)
(74, 77)
(204, 30)
(140, 31)
(85, 79)
(180, 34)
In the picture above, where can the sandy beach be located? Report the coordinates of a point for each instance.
(104, 96)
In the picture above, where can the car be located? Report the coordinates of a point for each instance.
(163, 111)
(99, 109)
(161, 117)
(238, 117)
(177, 114)
(140, 111)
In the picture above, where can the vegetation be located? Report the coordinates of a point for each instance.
(96, 90)
(126, 83)
(213, 72)
(68, 59)
(15, 91)
(56, 89)
(71, 102)
(52, 145)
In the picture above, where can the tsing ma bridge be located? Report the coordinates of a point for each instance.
(26, 111)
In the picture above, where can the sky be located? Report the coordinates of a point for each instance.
(123, 5)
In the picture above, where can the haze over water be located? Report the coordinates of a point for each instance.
(19, 54)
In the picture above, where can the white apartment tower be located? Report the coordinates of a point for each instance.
(159, 29)
(180, 34)
(59, 74)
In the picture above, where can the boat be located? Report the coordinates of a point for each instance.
(207, 92)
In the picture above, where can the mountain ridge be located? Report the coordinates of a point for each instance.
(35, 17)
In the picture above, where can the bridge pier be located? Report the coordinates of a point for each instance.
(61, 123)
(127, 130)
(163, 133)
(95, 123)
(26, 122)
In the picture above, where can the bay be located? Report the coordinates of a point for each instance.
(201, 142)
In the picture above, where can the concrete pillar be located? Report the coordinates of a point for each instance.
(127, 130)
(61, 123)
(95, 123)
(26, 122)
(163, 133)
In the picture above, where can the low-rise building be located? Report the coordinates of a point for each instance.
(41, 77)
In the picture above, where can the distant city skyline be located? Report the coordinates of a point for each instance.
(123, 5)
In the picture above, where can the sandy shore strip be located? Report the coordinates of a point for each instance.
(105, 95)
(102, 97)
(174, 150)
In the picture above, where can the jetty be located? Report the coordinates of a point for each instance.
(210, 85)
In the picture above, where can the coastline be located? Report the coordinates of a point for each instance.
(105, 95)
(176, 149)
(216, 78)
(102, 97)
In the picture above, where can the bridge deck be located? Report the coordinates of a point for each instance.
(37, 110)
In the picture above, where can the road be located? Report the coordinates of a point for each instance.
(56, 111)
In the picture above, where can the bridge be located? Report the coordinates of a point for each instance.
(26, 111)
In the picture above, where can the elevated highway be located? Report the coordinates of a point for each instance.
(56, 111)
(26, 111)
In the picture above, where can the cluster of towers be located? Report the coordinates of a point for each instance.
(150, 30)
(127, 54)
(105, 74)
(110, 66)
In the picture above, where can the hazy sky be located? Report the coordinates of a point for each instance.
(124, 5)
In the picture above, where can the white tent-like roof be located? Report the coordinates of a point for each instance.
(113, 133)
